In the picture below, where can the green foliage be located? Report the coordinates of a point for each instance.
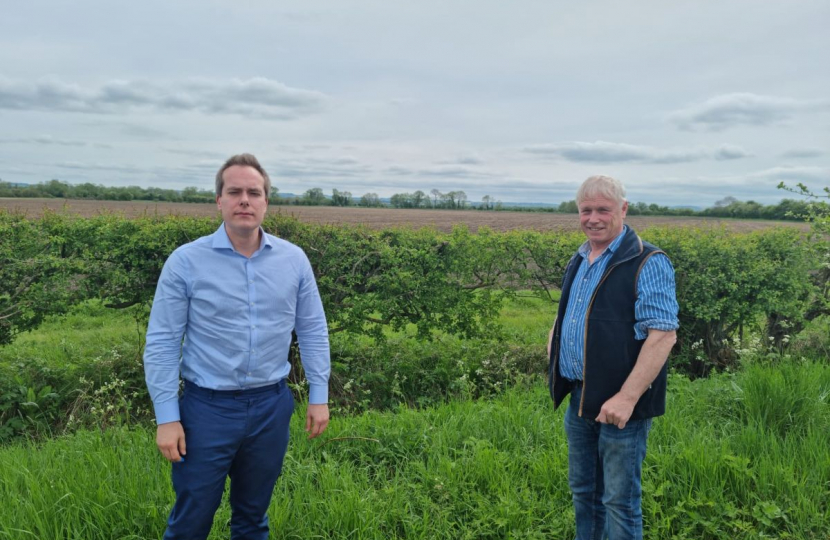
(729, 284)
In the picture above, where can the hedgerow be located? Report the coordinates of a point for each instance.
(415, 311)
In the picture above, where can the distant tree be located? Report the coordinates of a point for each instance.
(56, 188)
(274, 195)
(568, 207)
(313, 197)
(370, 200)
(487, 202)
(436, 196)
(418, 199)
(401, 200)
(726, 201)
(341, 198)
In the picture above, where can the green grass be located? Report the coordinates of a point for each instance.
(88, 331)
(738, 456)
(464, 470)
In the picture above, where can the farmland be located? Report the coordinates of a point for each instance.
(378, 218)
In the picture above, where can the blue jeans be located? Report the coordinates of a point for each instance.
(238, 434)
(604, 471)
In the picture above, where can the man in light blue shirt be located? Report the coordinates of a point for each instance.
(222, 319)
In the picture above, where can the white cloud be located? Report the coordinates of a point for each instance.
(730, 110)
(257, 97)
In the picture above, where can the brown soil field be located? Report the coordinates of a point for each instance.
(377, 218)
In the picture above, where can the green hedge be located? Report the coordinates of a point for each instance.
(447, 290)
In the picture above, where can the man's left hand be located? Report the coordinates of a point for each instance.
(617, 410)
(316, 419)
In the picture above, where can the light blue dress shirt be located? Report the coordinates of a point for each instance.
(656, 306)
(224, 320)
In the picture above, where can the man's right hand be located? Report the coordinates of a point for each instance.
(170, 440)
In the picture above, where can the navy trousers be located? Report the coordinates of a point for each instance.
(238, 434)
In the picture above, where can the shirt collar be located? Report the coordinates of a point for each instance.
(221, 240)
(585, 248)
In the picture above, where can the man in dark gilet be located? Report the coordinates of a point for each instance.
(608, 348)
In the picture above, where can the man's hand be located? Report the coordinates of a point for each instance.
(617, 410)
(653, 355)
(316, 419)
(170, 440)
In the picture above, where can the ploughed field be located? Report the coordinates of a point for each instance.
(378, 218)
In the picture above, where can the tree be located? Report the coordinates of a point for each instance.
(436, 196)
(726, 201)
(313, 197)
(401, 200)
(418, 199)
(370, 200)
(568, 207)
(341, 198)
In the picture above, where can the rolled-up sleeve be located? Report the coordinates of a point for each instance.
(165, 330)
(656, 305)
(313, 337)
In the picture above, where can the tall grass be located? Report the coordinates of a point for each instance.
(721, 464)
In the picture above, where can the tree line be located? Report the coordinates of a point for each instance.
(728, 207)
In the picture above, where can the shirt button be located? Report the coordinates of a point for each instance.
(253, 326)
(251, 281)
(252, 303)
(249, 373)
(253, 350)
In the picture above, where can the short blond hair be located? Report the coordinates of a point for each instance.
(601, 186)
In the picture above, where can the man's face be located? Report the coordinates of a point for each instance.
(242, 202)
(601, 220)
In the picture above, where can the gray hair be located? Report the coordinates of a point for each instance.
(243, 160)
(601, 186)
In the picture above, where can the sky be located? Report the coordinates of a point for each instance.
(685, 102)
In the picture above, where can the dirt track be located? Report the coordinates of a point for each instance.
(373, 217)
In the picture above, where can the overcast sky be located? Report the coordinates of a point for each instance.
(685, 102)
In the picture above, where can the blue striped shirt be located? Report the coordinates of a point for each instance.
(236, 315)
(656, 306)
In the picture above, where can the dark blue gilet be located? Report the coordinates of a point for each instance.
(610, 348)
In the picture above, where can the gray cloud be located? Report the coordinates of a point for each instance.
(804, 153)
(730, 110)
(729, 151)
(794, 174)
(467, 159)
(44, 139)
(253, 98)
(315, 167)
(202, 154)
(610, 152)
(124, 169)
